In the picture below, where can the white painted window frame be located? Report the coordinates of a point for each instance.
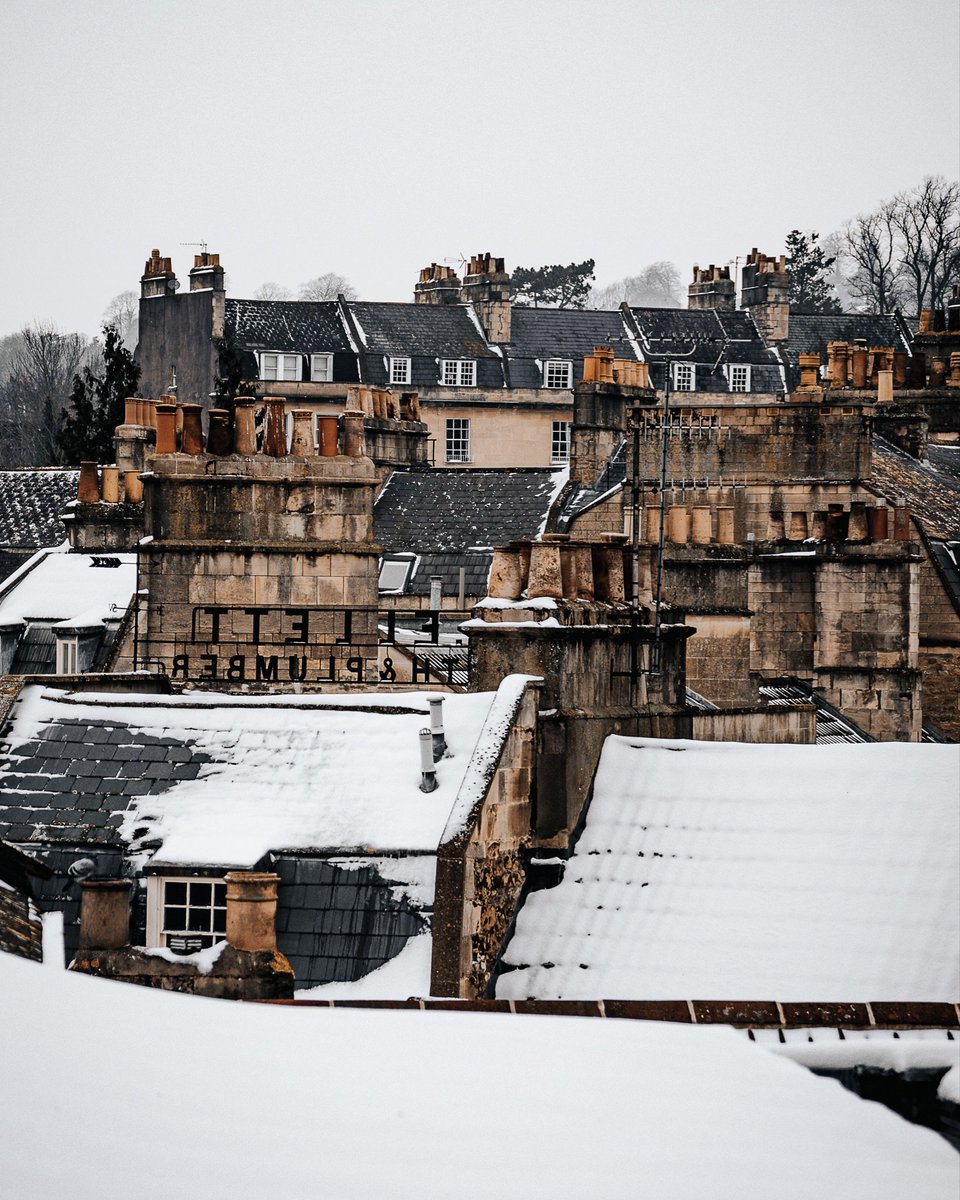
(456, 443)
(327, 369)
(684, 377)
(736, 367)
(400, 368)
(67, 655)
(157, 935)
(560, 444)
(558, 373)
(458, 372)
(280, 366)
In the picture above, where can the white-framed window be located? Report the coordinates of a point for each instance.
(399, 370)
(557, 373)
(458, 372)
(321, 368)
(458, 440)
(738, 375)
(186, 913)
(395, 571)
(280, 366)
(560, 443)
(684, 377)
(66, 656)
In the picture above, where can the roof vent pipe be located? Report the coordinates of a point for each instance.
(436, 728)
(436, 591)
(428, 782)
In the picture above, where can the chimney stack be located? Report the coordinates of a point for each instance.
(712, 288)
(486, 286)
(437, 284)
(252, 910)
(158, 278)
(765, 290)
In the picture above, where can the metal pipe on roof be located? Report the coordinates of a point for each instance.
(428, 775)
(436, 727)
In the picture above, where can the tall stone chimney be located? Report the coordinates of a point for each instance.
(712, 288)
(437, 284)
(765, 290)
(486, 286)
(207, 276)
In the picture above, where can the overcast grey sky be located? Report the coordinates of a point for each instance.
(371, 137)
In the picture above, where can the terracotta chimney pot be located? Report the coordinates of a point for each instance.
(132, 487)
(275, 429)
(110, 485)
(327, 427)
(301, 442)
(545, 578)
(244, 428)
(88, 486)
(191, 441)
(166, 428)
(353, 435)
(218, 433)
(506, 578)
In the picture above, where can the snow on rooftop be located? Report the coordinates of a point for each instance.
(62, 586)
(229, 1101)
(731, 871)
(285, 772)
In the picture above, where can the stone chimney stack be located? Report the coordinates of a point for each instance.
(252, 910)
(437, 284)
(158, 277)
(486, 286)
(207, 276)
(765, 290)
(712, 288)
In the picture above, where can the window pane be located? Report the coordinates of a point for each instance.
(201, 893)
(268, 366)
(174, 918)
(199, 920)
(220, 894)
(219, 920)
(175, 893)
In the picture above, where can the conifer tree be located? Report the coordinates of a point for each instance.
(808, 263)
(95, 407)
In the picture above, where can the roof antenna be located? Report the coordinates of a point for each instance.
(202, 245)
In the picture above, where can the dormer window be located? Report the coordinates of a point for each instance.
(738, 375)
(684, 377)
(557, 373)
(321, 368)
(186, 913)
(458, 372)
(280, 366)
(399, 370)
(66, 656)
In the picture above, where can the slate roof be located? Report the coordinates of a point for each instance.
(720, 338)
(931, 489)
(833, 727)
(809, 333)
(561, 333)
(476, 565)
(728, 869)
(30, 506)
(449, 511)
(424, 333)
(340, 919)
(297, 326)
(581, 498)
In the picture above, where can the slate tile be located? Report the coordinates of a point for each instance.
(127, 753)
(158, 770)
(136, 787)
(184, 772)
(178, 754)
(153, 753)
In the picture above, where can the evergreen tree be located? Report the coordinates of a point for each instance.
(95, 407)
(809, 264)
(553, 287)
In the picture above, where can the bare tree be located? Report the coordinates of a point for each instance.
(869, 249)
(272, 291)
(35, 394)
(657, 286)
(327, 287)
(927, 222)
(122, 312)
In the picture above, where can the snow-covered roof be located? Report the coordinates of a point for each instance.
(245, 1100)
(59, 586)
(791, 873)
(222, 779)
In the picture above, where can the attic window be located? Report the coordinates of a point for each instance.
(66, 656)
(557, 373)
(280, 366)
(738, 375)
(186, 914)
(458, 372)
(684, 377)
(321, 368)
(395, 570)
(399, 370)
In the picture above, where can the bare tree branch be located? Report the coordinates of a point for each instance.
(327, 287)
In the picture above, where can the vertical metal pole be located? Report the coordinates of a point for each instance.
(658, 595)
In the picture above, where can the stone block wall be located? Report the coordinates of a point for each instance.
(783, 626)
(21, 931)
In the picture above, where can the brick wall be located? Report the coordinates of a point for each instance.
(21, 931)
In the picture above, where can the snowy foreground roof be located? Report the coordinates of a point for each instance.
(788, 872)
(56, 585)
(222, 779)
(237, 1100)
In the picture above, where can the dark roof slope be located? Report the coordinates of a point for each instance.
(30, 506)
(440, 510)
(716, 338)
(931, 489)
(413, 329)
(809, 333)
(566, 333)
(295, 326)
